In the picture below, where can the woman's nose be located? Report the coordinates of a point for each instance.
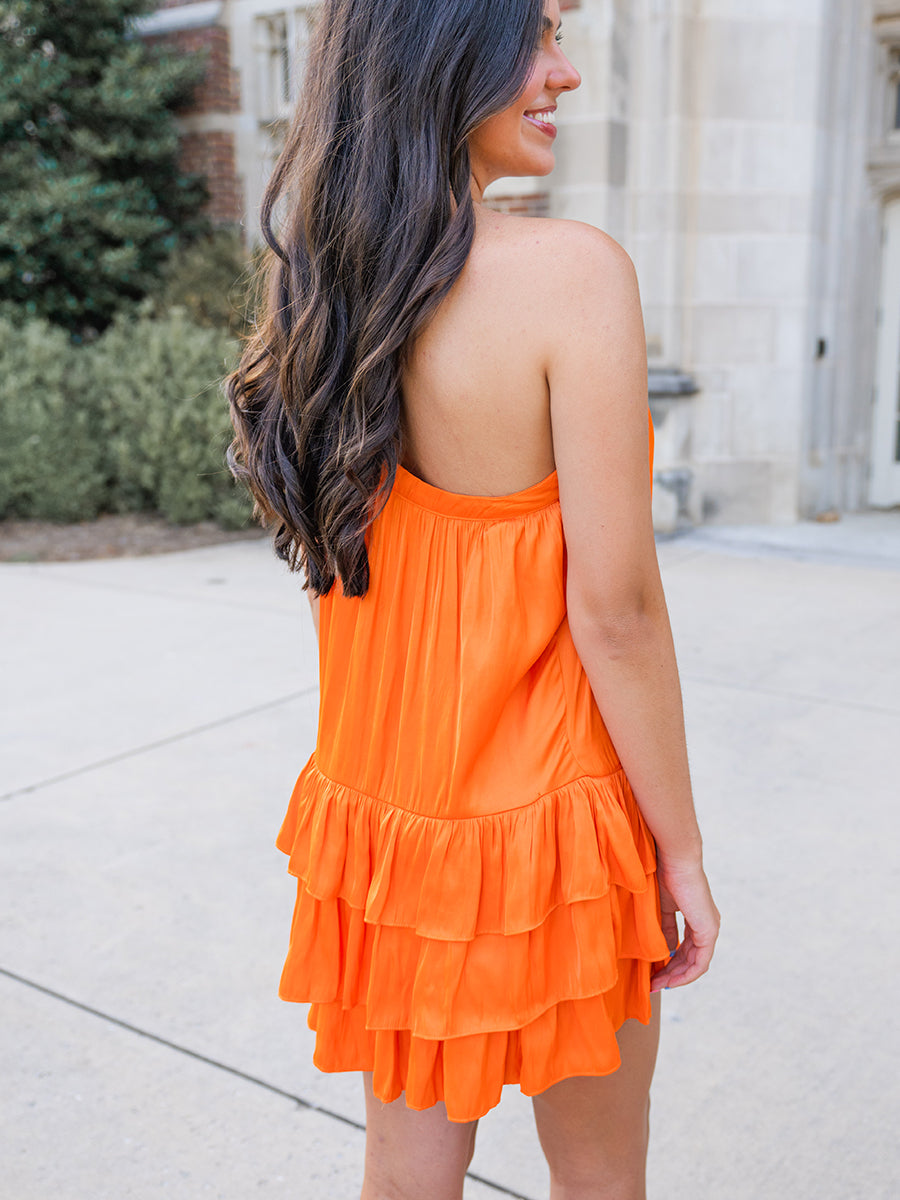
(563, 76)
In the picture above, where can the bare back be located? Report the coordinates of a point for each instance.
(476, 399)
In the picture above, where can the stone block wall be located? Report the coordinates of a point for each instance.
(698, 139)
(751, 123)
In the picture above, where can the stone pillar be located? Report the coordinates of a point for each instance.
(725, 177)
(857, 115)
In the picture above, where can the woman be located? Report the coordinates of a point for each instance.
(444, 416)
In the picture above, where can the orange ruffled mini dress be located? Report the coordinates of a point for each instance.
(477, 900)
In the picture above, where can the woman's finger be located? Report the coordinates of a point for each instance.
(687, 964)
(668, 919)
(669, 924)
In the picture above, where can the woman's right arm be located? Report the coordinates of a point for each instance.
(597, 374)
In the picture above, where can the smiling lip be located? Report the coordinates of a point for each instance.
(545, 127)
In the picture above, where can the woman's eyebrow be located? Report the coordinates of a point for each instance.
(548, 26)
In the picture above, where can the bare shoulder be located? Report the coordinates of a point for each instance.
(568, 262)
(589, 260)
(577, 238)
(556, 235)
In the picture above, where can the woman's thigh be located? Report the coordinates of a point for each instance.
(411, 1155)
(594, 1130)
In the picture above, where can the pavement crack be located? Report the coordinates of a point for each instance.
(135, 751)
(709, 543)
(169, 1044)
(177, 597)
(498, 1187)
(309, 1105)
(688, 676)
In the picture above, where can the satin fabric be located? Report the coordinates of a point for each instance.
(476, 899)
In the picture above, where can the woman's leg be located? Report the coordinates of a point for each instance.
(414, 1155)
(594, 1130)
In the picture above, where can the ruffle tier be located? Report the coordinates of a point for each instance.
(574, 1037)
(451, 956)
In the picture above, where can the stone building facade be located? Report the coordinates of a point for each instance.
(748, 158)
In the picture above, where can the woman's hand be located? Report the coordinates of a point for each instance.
(685, 889)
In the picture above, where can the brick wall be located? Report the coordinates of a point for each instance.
(209, 151)
(535, 205)
(212, 154)
(220, 90)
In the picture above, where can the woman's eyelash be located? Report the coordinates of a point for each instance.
(558, 38)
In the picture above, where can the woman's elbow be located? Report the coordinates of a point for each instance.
(618, 620)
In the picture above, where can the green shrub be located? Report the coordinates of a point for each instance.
(212, 279)
(50, 454)
(162, 417)
(135, 421)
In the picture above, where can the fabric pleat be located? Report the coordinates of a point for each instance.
(476, 889)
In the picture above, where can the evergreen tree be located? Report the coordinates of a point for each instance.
(92, 201)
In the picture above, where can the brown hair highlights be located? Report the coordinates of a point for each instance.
(377, 224)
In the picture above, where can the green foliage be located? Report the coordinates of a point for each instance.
(163, 420)
(133, 421)
(212, 279)
(93, 199)
(50, 455)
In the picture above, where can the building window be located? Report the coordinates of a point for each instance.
(282, 40)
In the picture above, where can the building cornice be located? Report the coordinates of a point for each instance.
(186, 16)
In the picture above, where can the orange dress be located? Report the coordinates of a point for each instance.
(477, 900)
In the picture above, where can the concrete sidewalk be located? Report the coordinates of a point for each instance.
(155, 714)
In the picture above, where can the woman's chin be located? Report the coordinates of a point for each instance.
(540, 160)
(532, 164)
(526, 166)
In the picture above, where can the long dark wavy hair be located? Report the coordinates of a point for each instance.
(375, 224)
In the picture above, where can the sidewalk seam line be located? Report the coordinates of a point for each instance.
(178, 597)
(212, 1062)
(761, 689)
(815, 556)
(166, 741)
